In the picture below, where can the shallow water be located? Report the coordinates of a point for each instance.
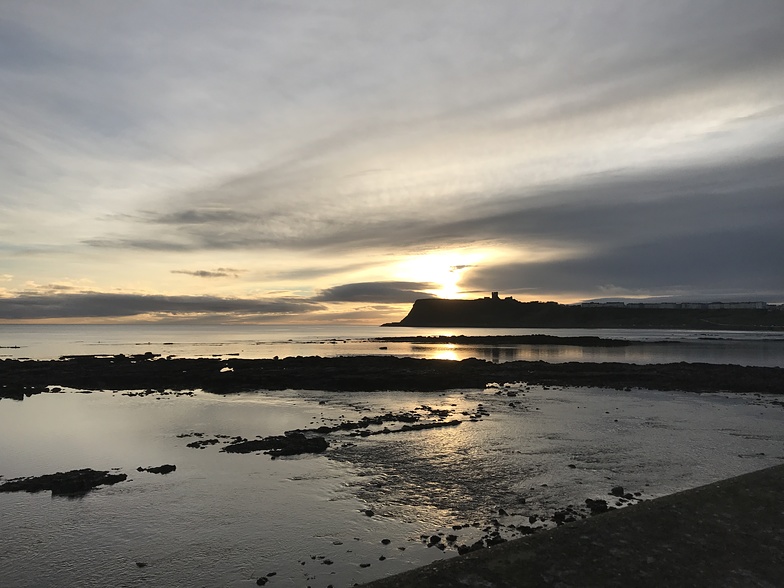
(248, 341)
(224, 519)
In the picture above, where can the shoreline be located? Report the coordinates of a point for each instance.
(379, 437)
(367, 373)
(721, 534)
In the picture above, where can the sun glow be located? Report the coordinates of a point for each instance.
(442, 269)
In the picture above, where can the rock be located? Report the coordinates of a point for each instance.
(369, 513)
(494, 540)
(261, 581)
(202, 443)
(71, 483)
(162, 469)
(617, 491)
(434, 539)
(526, 530)
(463, 549)
(596, 506)
(386, 541)
(293, 443)
(141, 564)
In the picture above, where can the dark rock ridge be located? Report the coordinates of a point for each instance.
(291, 443)
(367, 373)
(71, 483)
(514, 340)
(507, 312)
(166, 468)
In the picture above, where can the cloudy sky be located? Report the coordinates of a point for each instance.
(333, 161)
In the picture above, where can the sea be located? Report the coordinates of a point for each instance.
(759, 348)
(369, 506)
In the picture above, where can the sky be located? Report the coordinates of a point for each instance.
(315, 162)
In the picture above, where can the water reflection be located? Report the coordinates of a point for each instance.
(249, 342)
(759, 353)
(446, 353)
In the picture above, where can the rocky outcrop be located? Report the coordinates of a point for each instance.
(71, 483)
(166, 468)
(366, 373)
(279, 445)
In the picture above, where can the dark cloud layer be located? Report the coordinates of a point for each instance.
(101, 305)
(58, 305)
(378, 292)
(717, 264)
(221, 272)
(615, 207)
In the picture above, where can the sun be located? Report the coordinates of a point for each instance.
(443, 269)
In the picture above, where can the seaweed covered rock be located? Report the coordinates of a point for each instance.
(71, 483)
(166, 468)
(291, 443)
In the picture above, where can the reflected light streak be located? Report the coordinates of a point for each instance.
(448, 353)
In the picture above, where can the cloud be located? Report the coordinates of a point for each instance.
(102, 305)
(376, 292)
(586, 211)
(221, 272)
(719, 264)
(571, 132)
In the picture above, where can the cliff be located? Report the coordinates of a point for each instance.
(507, 312)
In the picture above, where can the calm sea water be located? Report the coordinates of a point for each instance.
(266, 341)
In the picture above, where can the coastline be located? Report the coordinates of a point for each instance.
(721, 534)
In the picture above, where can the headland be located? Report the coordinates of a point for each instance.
(494, 311)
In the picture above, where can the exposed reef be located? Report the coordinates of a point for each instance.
(20, 378)
(313, 440)
(516, 340)
(292, 443)
(166, 468)
(71, 483)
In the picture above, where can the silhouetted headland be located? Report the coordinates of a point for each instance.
(494, 311)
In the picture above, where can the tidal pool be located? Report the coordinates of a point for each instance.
(226, 519)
